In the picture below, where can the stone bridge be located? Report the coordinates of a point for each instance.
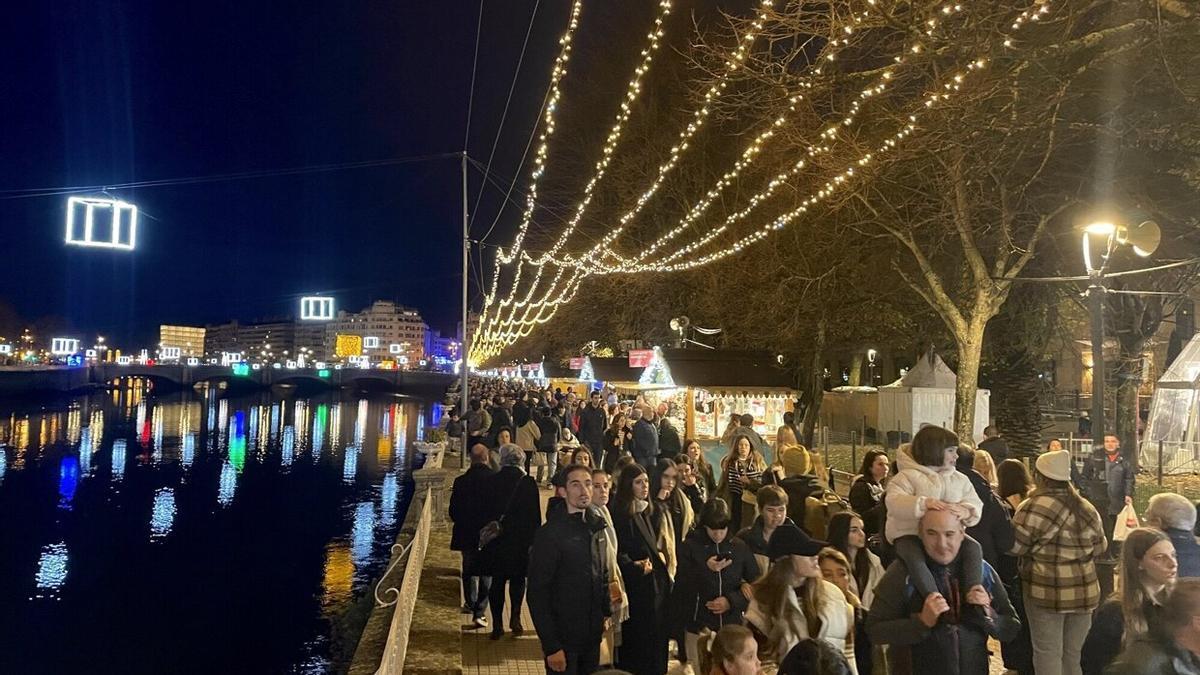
(20, 379)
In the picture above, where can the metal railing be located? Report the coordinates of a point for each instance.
(396, 648)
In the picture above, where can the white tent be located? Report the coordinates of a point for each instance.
(925, 395)
(1174, 411)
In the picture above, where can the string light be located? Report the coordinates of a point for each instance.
(499, 337)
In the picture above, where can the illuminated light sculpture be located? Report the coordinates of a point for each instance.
(371, 342)
(347, 345)
(316, 308)
(241, 369)
(124, 360)
(90, 354)
(5, 349)
(64, 346)
(84, 228)
(173, 353)
(193, 361)
(395, 349)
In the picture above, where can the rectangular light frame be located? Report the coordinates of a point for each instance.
(118, 209)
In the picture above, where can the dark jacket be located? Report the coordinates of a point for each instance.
(866, 498)
(469, 507)
(616, 445)
(1119, 476)
(1187, 551)
(568, 581)
(508, 554)
(500, 419)
(1155, 655)
(695, 498)
(454, 428)
(997, 447)
(669, 444)
(592, 422)
(696, 584)
(520, 413)
(947, 648)
(994, 532)
(645, 443)
(1104, 638)
(551, 431)
(753, 536)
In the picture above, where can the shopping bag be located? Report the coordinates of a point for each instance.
(1126, 520)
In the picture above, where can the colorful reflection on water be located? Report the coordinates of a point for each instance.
(145, 526)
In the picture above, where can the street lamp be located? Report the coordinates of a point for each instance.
(1143, 239)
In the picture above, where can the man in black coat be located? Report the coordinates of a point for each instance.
(568, 579)
(995, 444)
(469, 511)
(592, 423)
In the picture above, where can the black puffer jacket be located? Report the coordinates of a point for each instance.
(696, 584)
(994, 532)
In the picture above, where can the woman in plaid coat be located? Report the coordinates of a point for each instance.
(1059, 536)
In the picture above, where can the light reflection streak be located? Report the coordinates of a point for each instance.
(3, 462)
(360, 422)
(189, 449)
(85, 451)
(227, 486)
(162, 514)
(288, 450)
(157, 418)
(118, 459)
(335, 427)
(68, 481)
(274, 425)
(237, 443)
(362, 534)
(389, 493)
(52, 570)
(350, 464)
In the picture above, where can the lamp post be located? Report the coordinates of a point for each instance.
(1143, 239)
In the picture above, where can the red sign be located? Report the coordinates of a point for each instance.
(640, 358)
(577, 363)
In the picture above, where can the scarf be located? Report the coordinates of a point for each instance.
(664, 537)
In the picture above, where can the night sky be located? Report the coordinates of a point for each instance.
(110, 92)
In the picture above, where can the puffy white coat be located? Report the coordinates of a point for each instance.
(837, 623)
(914, 483)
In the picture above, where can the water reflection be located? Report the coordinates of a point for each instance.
(363, 533)
(388, 494)
(118, 459)
(51, 570)
(350, 464)
(119, 537)
(68, 480)
(162, 514)
(227, 484)
(288, 450)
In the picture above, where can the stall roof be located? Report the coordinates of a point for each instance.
(614, 369)
(725, 368)
(554, 371)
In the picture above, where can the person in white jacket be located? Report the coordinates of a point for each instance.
(792, 602)
(928, 481)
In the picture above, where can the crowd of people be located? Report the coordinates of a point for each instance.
(648, 551)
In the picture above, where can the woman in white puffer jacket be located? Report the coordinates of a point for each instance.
(927, 480)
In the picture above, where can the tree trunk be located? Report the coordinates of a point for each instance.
(856, 368)
(970, 349)
(816, 385)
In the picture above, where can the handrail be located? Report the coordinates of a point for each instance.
(396, 648)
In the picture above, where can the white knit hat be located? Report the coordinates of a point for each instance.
(1055, 465)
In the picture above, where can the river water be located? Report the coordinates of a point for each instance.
(197, 532)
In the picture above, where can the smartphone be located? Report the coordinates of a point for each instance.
(722, 557)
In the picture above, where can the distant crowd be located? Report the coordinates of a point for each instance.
(648, 551)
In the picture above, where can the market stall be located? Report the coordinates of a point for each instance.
(925, 395)
(702, 388)
(1174, 423)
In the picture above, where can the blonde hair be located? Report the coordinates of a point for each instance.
(985, 465)
(830, 553)
(771, 591)
(724, 645)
